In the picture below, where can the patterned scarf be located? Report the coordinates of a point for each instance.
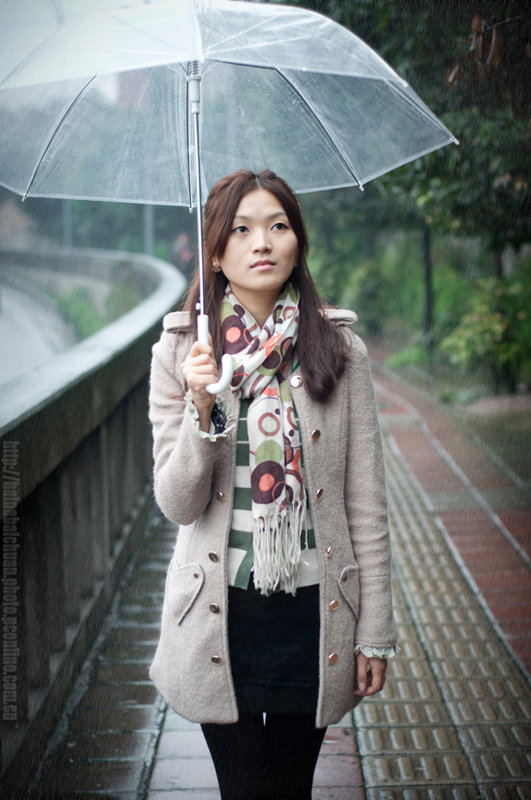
(278, 500)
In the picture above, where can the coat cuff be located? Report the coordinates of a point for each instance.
(211, 434)
(377, 652)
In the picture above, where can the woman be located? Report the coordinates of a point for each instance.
(277, 616)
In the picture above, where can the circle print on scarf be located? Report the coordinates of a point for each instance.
(269, 425)
(237, 336)
(267, 483)
(267, 478)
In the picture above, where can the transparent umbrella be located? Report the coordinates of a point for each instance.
(108, 106)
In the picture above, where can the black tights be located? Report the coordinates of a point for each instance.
(257, 761)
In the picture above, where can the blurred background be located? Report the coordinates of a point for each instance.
(434, 257)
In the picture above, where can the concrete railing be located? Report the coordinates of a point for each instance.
(76, 458)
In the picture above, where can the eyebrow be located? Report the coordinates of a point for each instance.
(271, 216)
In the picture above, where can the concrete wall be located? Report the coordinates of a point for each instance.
(76, 455)
(55, 270)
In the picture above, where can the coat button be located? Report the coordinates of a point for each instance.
(319, 494)
(214, 608)
(220, 496)
(333, 605)
(295, 381)
(315, 435)
(329, 550)
(217, 660)
(332, 658)
(213, 556)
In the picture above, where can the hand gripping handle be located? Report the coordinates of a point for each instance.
(226, 361)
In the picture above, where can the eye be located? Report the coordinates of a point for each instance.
(239, 229)
(280, 226)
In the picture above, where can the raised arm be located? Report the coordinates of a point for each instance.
(184, 454)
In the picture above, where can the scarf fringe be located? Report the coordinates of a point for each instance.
(277, 548)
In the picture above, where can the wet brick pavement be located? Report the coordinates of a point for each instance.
(453, 719)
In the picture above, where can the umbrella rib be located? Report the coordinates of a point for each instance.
(34, 50)
(130, 26)
(52, 137)
(330, 136)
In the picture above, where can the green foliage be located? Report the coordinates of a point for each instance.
(414, 354)
(371, 296)
(480, 188)
(80, 310)
(120, 300)
(78, 307)
(496, 332)
(452, 285)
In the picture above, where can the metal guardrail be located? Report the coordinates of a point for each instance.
(76, 458)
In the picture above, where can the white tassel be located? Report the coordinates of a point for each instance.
(277, 548)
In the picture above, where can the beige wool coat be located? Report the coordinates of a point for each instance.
(194, 482)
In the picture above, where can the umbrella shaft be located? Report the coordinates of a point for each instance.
(199, 215)
(194, 100)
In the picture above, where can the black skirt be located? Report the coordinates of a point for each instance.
(274, 650)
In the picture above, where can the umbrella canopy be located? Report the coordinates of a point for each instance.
(99, 110)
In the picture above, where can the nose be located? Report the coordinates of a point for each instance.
(261, 243)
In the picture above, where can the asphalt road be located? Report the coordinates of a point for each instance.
(30, 333)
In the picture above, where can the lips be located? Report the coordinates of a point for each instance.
(264, 263)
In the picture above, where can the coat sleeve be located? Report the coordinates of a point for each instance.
(366, 504)
(183, 454)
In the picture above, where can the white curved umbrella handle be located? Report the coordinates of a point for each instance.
(226, 361)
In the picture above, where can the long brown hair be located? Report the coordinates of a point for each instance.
(321, 348)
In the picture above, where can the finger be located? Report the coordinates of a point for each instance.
(192, 362)
(361, 673)
(201, 367)
(199, 382)
(191, 370)
(199, 347)
(376, 676)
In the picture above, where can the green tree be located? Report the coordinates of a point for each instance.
(469, 62)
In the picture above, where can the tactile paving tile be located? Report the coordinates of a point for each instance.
(423, 689)
(497, 737)
(480, 688)
(370, 713)
(452, 719)
(506, 710)
(466, 792)
(505, 765)
(414, 769)
(454, 669)
(410, 668)
(418, 739)
(501, 792)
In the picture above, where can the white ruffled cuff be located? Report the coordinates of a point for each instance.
(211, 435)
(377, 652)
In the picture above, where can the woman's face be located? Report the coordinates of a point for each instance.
(261, 250)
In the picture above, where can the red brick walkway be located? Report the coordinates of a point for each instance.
(485, 512)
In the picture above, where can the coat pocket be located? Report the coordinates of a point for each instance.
(184, 585)
(349, 586)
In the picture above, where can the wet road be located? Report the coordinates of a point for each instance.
(31, 333)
